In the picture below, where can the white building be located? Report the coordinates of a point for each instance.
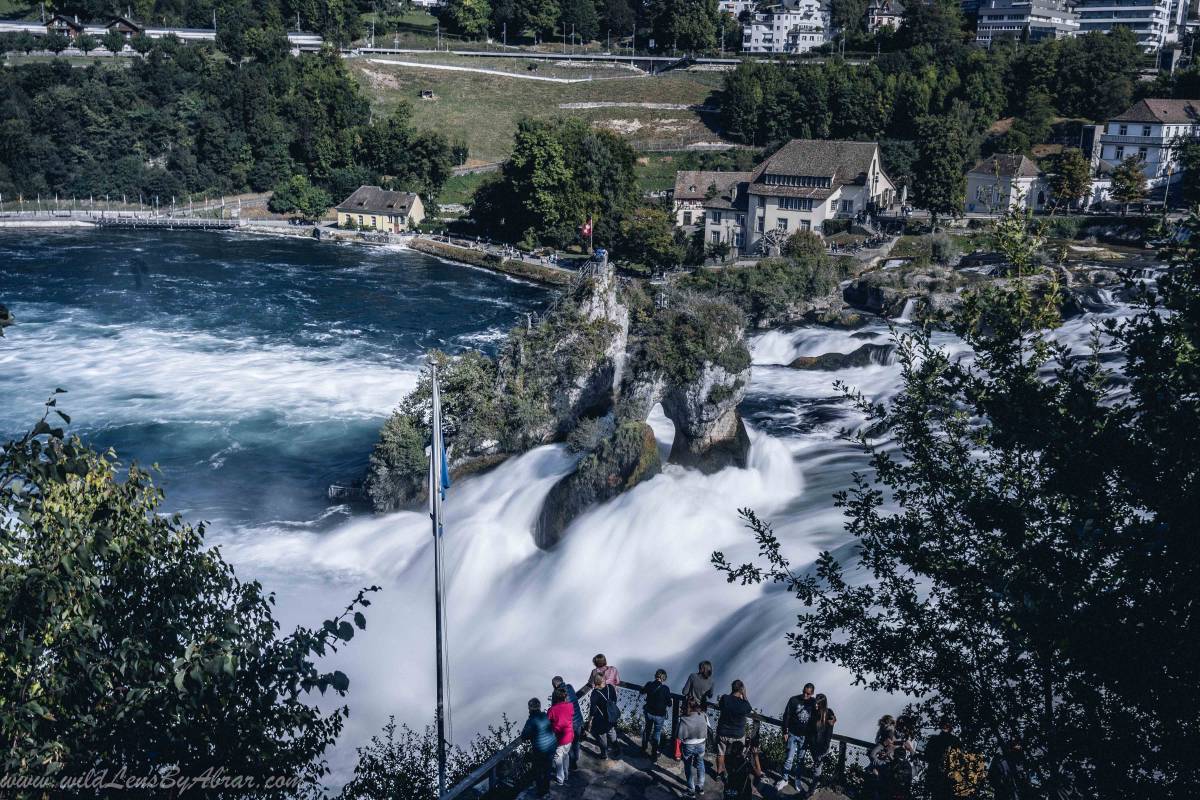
(736, 7)
(1146, 130)
(1155, 22)
(795, 27)
(1024, 20)
(884, 14)
(805, 183)
(1001, 182)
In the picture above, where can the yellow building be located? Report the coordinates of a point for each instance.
(372, 208)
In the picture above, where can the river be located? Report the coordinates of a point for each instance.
(255, 372)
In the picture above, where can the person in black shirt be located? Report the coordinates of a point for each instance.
(935, 754)
(734, 710)
(797, 721)
(658, 700)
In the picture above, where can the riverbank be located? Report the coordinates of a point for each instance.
(539, 273)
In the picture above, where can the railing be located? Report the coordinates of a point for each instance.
(843, 766)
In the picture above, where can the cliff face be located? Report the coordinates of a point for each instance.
(590, 372)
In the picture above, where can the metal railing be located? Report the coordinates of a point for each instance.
(843, 764)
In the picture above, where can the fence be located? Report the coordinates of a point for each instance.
(504, 774)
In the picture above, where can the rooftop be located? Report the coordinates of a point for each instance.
(695, 184)
(1006, 166)
(1171, 112)
(843, 162)
(373, 200)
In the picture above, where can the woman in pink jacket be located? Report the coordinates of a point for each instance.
(562, 722)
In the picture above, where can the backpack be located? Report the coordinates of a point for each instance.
(966, 772)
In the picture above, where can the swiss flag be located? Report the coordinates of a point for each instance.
(586, 229)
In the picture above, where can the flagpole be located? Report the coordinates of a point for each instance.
(435, 505)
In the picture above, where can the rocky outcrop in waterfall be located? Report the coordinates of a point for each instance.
(589, 373)
(863, 356)
(6, 318)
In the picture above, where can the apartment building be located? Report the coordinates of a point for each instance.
(1024, 20)
(795, 27)
(1146, 130)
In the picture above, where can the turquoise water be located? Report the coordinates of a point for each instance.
(253, 371)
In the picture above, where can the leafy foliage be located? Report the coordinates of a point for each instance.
(182, 120)
(771, 287)
(646, 240)
(1128, 181)
(560, 173)
(127, 643)
(1026, 536)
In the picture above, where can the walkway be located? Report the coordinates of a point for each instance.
(632, 776)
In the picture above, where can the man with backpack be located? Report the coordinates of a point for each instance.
(539, 732)
(658, 700)
(1008, 774)
(937, 750)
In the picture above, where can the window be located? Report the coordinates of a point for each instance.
(1141, 154)
(795, 203)
(847, 206)
(1123, 130)
(1145, 130)
(374, 223)
(687, 218)
(762, 221)
(739, 240)
(1119, 153)
(716, 237)
(360, 220)
(805, 225)
(781, 223)
(714, 216)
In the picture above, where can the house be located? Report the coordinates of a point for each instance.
(66, 26)
(125, 26)
(725, 213)
(1146, 129)
(884, 14)
(805, 183)
(1000, 182)
(378, 209)
(795, 27)
(809, 181)
(1024, 20)
(1154, 22)
(736, 7)
(693, 188)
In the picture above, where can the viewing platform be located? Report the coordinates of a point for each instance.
(631, 775)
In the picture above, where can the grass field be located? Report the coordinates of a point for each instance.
(484, 109)
(460, 188)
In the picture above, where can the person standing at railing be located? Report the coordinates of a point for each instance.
(573, 699)
(820, 737)
(603, 716)
(937, 757)
(542, 743)
(878, 774)
(601, 666)
(699, 684)
(797, 723)
(734, 710)
(658, 700)
(693, 733)
(562, 721)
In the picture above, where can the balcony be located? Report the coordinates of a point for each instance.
(1136, 141)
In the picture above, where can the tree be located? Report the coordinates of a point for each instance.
(1072, 178)
(646, 240)
(849, 16)
(618, 17)
(1028, 536)
(1187, 153)
(469, 17)
(688, 25)
(129, 644)
(1128, 182)
(939, 182)
(113, 41)
(86, 43)
(141, 43)
(803, 245)
(539, 16)
(55, 42)
(580, 17)
(298, 195)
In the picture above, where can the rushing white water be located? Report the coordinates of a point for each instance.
(250, 419)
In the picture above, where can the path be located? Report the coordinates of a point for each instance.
(632, 776)
(517, 75)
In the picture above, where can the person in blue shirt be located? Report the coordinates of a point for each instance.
(542, 743)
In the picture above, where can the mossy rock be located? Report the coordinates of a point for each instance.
(864, 356)
(622, 461)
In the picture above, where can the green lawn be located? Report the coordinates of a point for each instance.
(484, 109)
(656, 171)
(460, 188)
